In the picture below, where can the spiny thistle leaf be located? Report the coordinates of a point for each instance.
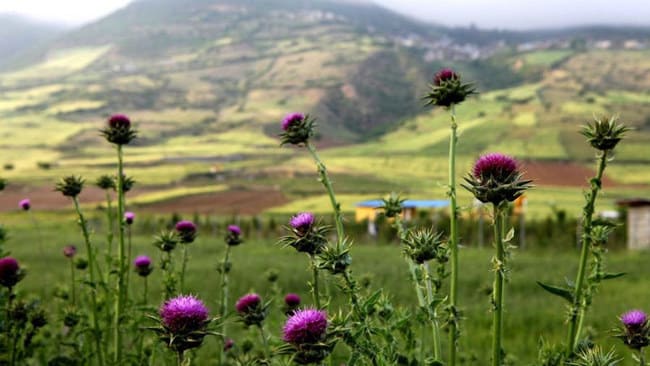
(564, 293)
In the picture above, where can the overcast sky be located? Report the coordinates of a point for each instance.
(507, 14)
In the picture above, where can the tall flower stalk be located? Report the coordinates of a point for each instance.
(233, 238)
(603, 135)
(107, 183)
(448, 91)
(186, 231)
(72, 186)
(496, 179)
(119, 132)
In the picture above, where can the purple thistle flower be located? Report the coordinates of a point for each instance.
(184, 314)
(305, 327)
(9, 271)
(444, 75)
(69, 251)
(234, 229)
(634, 319)
(25, 204)
(129, 217)
(494, 165)
(229, 344)
(119, 121)
(292, 300)
(247, 303)
(142, 261)
(186, 230)
(290, 119)
(302, 222)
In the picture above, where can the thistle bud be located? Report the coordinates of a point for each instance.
(424, 245)
(298, 129)
(251, 310)
(186, 231)
(335, 260)
(25, 204)
(233, 235)
(447, 89)
(105, 182)
(166, 241)
(228, 345)
(70, 186)
(604, 134)
(81, 263)
(393, 205)
(69, 251)
(118, 130)
(10, 272)
(127, 183)
(496, 178)
(129, 217)
(142, 265)
(306, 236)
(71, 318)
(291, 303)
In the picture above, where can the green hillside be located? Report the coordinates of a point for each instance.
(207, 82)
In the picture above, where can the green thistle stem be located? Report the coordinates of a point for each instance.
(265, 341)
(435, 331)
(145, 294)
(184, 267)
(315, 291)
(453, 240)
(180, 358)
(121, 285)
(224, 302)
(578, 307)
(111, 226)
(497, 293)
(129, 254)
(641, 357)
(327, 183)
(97, 333)
(72, 283)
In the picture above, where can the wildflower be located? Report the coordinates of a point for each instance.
(251, 310)
(105, 182)
(636, 330)
(70, 186)
(25, 204)
(298, 129)
(142, 265)
(291, 302)
(634, 319)
(69, 251)
(233, 235)
(306, 331)
(496, 178)
(186, 231)
(118, 130)
(228, 345)
(302, 223)
(129, 217)
(184, 314)
(10, 272)
(604, 134)
(447, 89)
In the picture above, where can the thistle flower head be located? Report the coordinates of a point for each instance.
(604, 133)
(233, 235)
(25, 204)
(306, 326)
(636, 330)
(118, 130)
(302, 223)
(634, 319)
(10, 272)
(298, 129)
(184, 314)
(105, 182)
(186, 231)
(228, 345)
(129, 217)
(127, 183)
(251, 310)
(292, 300)
(142, 265)
(448, 89)
(496, 178)
(69, 251)
(70, 186)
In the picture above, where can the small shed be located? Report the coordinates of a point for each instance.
(638, 222)
(368, 210)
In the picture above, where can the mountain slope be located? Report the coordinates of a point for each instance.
(18, 34)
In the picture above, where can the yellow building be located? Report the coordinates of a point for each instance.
(368, 210)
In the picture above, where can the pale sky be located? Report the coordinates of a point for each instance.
(506, 14)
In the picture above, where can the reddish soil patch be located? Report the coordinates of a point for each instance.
(243, 202)
(563, 174)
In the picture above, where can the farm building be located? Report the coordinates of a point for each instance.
(368, 210)
(638, 222)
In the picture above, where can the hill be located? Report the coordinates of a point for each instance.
(18, 35)
(206, 82)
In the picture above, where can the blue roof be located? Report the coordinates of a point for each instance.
(407, 203)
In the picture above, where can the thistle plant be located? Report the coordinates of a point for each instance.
(107, 184)
(306, 334)
(119, 132)
(167, 242)
(448, 90)
(603, 135)
(252, 312)
(635, 333)
(233, 238)
(186, 232)
(26, 205)
(69, 252)
(496, 179)
(71, 186)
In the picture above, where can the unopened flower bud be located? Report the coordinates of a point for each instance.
(70, 186)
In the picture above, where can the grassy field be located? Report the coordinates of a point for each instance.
(531, 314)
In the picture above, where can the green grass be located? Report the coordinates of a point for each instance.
(546, 58)
(530, 313)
